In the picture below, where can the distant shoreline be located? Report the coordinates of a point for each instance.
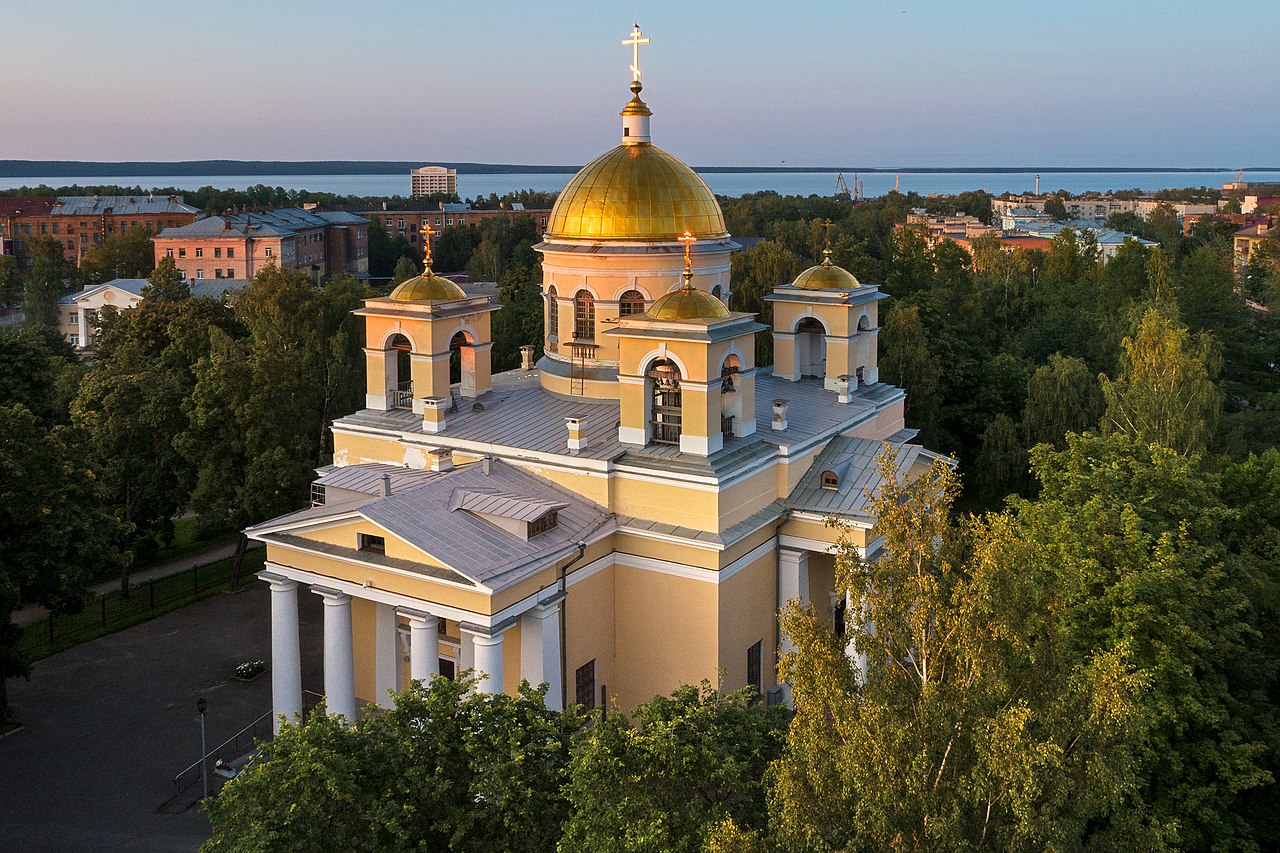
(179, 169)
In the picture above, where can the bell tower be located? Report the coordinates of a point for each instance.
(825, 325)
(687, 370)
(421, 339)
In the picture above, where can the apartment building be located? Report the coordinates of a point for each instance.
(81, 222)
(429, 180)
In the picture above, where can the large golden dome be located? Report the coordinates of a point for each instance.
(635, 192)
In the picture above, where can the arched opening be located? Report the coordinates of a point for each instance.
(715, 291)
(811, 347)
(630, 303)
(462, 362)
(663, 379)
(584, 316)
(730, 399)
(553, 318)
(864, 324)
(399, 373)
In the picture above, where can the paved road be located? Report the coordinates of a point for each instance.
(34, 613)
(109, 723)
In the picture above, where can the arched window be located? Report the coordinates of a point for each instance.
(811, 347)
(553, 313)
(584, 316)
(830, 480)
(732, 367)
(631, 302)
(664, 378)
(715, 291)
(864, 324)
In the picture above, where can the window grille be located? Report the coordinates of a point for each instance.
(584, 316)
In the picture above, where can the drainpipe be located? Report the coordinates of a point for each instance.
(564, 602)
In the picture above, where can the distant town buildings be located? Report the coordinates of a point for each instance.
(1251, 203)
(1246, 239)
(1021, 228)
(430, 180)
(1098, 207)
(81, 222)
(80, 314)
(409, 223)
(239, 245)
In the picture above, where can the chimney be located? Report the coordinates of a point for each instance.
(779, 415)
(433, 409)
(577, 433)
(441, 459)
(386, 485)
(842, 389)
(526, 357)
(486, 464)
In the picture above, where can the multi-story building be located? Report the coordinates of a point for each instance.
(239, 245)
(408, 223)
(627, 514)
(430, 180)
(81, 222)
(1097, 207)
(1247, 239)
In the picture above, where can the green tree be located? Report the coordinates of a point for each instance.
(1002, 461)
(39, 370)
(665, 782)
(446, 769)
(1165, 392)
(1055, 207)
(10, 281)
(57, 530)
(406, 268)
(166, 283)
(1062, 397)
(129, 254)
(961, 726)
(906, 361)
(50, 278)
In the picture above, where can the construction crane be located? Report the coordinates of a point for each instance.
(841, 187)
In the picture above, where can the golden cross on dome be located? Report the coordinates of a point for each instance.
(826, 252)
(635, 41)
(688, 239)
(427, 234)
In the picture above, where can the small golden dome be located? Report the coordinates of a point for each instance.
(635, 192)
(826, 276)
(427, 287)
(687, 303)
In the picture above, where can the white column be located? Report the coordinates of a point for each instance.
(386, 663)
(83, 324)
(286, 659)
(424, 645)
(854, 610)
(540, 650)
(339, 666)
(793, 583)
(487, 656)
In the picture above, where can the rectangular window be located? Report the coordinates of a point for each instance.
(168, 253)
(217, 251)
(73, 317)
(755, 672)
(57, 228)
(199, 253)
(182, 253)
(75, 340)
(231, 252)
(199, 273)
(448, 220)
(217, 272)
(231, 273)
(373, 544)
(44, 227)
(400, 224)
(585, 685)
(268, 251)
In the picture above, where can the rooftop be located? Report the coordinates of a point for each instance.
(85, 205)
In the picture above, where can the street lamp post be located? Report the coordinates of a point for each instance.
(201, 704)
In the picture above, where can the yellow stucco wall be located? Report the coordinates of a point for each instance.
(363, 646)
(589, 627)
(746, 614)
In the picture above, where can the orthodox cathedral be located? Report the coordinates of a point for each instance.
(626, 515)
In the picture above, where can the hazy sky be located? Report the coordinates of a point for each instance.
(897, 83)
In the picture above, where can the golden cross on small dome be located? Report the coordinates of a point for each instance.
(637, 39)
(826, 252)
(688, 239)
(427, 234)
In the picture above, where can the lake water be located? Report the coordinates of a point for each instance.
(723, 183)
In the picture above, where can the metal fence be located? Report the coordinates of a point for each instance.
(113, 611)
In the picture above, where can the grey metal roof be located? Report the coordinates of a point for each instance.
(129, 285)
(216, 288)
(518, 413)
(853, 460)
(422, 516)
(221, 226)
(367, 478)
(502, 504)
(84, 205)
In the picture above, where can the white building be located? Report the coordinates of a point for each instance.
(429, 180)
(80, 314)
